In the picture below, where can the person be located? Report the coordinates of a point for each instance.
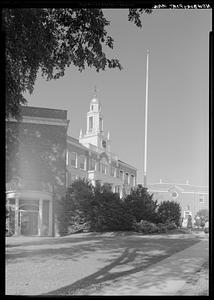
(206, 226)
(197, 222)
(189, 223)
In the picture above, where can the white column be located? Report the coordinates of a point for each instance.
(40, 218)
(50, 218)
(17, 228)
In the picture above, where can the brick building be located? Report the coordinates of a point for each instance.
(45, 160)
(191, 198)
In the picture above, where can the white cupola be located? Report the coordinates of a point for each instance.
(94, 129)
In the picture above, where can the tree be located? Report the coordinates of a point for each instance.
(203, 213)
(169, 211)
(50, 39)
(141, 204)
(77, 205)
(100, 208)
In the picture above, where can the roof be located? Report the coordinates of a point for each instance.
(43, 112)
(165, 187)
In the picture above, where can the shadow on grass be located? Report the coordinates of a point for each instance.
(74, 248)
(130, 285)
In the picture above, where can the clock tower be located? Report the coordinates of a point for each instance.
(94, 132)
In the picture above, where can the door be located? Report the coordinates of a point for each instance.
(29, 222)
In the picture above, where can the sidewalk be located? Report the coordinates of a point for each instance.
(166, 277)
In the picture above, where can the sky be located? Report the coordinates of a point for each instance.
(178, 94)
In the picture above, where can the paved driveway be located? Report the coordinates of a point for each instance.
(66, 265)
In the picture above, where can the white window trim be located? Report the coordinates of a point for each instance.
(82, 156)
(201, 197)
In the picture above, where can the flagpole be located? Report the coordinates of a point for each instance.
(146, 120)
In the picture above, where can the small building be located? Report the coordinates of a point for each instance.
(190, 197)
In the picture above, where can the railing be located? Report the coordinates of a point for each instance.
(100, 150)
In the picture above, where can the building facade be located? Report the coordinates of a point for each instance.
(36, 169)
(190, 197)
(44, 161)
(91, 157)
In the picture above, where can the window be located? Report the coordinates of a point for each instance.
(113, 171)
(117, 189)
(101, 124)
(74, 159)
(132, 180)
(82, 162)
(126, 181)
(174, 194)
(92, 164)
(121, 175)
(103, 168)
(201, 198)
(92, 107)
(90, 123)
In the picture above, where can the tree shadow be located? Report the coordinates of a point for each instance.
(73, 248)
(108, 273)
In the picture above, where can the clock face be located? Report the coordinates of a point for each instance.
(104, 144)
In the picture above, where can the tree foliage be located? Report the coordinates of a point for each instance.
(169, 211)
(141, 204)
(102, 209)
(50, 40)
(203, 213)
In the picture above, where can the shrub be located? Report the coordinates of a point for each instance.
(110, 212)
(141, 205)
(145, 227)
(169, 211)
(203, 214)
(98, 207)
(171, 226)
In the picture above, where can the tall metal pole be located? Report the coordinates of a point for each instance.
(146, 120)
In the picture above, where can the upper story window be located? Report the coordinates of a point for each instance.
(201, 198)
(73, 156)
(113, 171)
(92, 165)
(126, 181)
(121, 175)
(103, 166)
(90, 123)
(92, 107)
(132, 180)
(82, 160)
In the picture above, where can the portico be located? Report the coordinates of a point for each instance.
(32, 212)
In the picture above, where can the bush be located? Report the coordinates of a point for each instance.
(171, 226)
(169, 211)
(141, 204)
(203, 214)
(96, 206)
(110, 213)
(145, 227)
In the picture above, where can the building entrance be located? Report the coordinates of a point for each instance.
(28, 222)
